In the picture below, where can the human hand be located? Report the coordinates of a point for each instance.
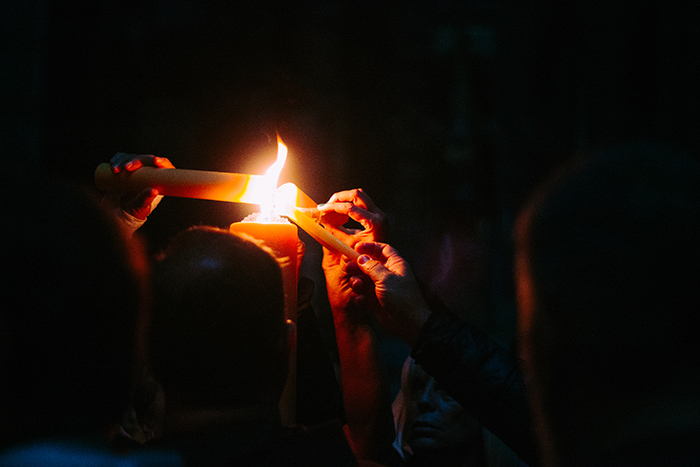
(388, 286)
(339, 272)
(357, 205)
(130, 162)
(142, 204)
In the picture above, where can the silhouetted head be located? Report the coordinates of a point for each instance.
(606, 258)
(218, 336)
(432, 424)
(73, 298)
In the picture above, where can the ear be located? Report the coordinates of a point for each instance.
(291, 336)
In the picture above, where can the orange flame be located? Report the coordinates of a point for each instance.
(263, 190)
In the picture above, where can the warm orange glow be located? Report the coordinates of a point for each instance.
(267, 192)
(217, 186)
(286, 194)
(289, 193)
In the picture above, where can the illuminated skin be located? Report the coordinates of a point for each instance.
(434, 421)
(140, 205)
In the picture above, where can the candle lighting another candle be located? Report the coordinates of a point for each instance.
(293, 203)
(276, 233)
(282, 238)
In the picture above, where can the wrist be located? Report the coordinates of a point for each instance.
(128, 222)
(415, 325)
(351, 317)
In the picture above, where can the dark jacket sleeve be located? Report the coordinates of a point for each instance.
(479, 374)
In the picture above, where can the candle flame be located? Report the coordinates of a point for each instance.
(270, 182)
(286, 195)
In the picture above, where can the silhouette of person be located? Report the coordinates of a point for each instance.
(71, 327)
(219, 345)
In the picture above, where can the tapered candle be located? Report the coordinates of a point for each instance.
(288, 194)
(317, 232)
(202, 184)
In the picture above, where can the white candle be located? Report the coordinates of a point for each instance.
(183, 183)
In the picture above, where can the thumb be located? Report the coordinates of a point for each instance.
(141, 206)
(373, 268)
(146, 197)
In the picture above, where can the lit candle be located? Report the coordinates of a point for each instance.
(217, 186)
(282, 238)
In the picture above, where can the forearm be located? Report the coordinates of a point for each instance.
(370, 425)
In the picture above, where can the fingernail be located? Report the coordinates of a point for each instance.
(321, 206)
(128, 165)
(362, 259)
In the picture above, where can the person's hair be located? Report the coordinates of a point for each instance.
(71, 319)
(218, 334)
(612, 248)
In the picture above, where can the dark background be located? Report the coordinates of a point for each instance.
(447, 113)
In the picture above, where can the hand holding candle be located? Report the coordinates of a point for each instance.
(345, 284)
(217, 186)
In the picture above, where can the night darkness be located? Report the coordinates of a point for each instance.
(447, 113)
